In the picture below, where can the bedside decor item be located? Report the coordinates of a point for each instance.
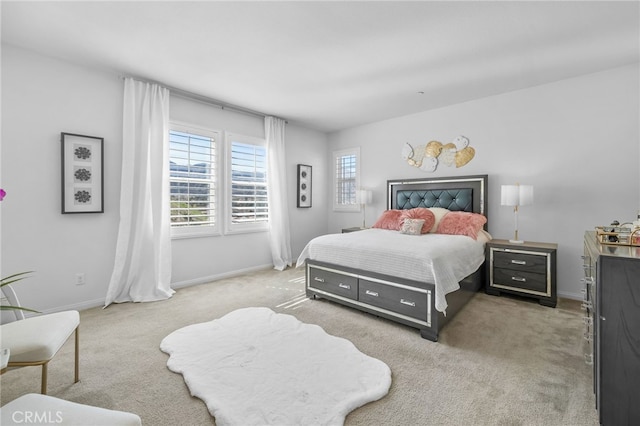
(427, 157)
(82, 174)
(364, 197)
(254, 366)
(618, 235)
(516, 195)
(304, 186)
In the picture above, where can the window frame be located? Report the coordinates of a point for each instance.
(237, 228)
(342, 207)
(194, 231)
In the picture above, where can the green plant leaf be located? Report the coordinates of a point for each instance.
(13, 278)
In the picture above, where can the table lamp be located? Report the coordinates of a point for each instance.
(517, 195)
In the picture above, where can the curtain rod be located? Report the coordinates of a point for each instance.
(203, 99)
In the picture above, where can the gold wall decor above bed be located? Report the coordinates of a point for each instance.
(427, 157)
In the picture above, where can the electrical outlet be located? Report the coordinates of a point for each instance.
(80, 278)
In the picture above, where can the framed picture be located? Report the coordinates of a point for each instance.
(82, 174)
(304, 186)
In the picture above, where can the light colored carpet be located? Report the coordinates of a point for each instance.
(500, 361)
(256, 367)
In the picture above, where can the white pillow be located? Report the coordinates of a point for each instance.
(484, 236)
(439, 213)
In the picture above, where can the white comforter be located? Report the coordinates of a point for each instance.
(443, 260)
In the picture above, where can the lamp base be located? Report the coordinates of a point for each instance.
(516, 241)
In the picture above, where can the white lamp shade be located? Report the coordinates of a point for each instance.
(517, 195)
(365, 196)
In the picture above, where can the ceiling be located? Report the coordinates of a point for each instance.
(334, 65)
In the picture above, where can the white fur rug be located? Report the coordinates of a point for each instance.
(256, 367)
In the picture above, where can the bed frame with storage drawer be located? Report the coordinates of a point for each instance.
(405, 301)
(408, 302)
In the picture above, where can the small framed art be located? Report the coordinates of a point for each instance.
(304, 186)
(82, 173)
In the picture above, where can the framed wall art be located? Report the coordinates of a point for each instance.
(304, 186)
(82, 174)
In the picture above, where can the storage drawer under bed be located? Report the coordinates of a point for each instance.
(396, 299)
(332, 282)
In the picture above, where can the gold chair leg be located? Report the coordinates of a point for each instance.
(77, 377)
(43, 389)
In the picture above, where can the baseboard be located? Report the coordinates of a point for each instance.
(572, 296)
(177, 285)
(210, 278)
(81, 306)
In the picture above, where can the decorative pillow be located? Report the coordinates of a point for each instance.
(439, 213)
(420, 213)
(412, 226)
(462, 223)
(484, 236)
(390, 219)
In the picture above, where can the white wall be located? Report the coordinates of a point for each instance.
(576, 141)
(42, 97)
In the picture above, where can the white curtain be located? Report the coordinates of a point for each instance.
(142, 268)
(277, 193)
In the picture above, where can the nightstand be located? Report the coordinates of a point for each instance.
(527, 269)
(354, 229)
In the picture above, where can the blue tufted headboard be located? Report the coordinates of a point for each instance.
(458, 199)
(463, 193)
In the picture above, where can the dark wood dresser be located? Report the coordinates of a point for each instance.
(612, 304)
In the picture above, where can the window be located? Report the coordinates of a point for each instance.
(193, 180)
(346, 179)
(247, 205)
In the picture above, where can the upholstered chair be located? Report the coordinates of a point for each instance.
(35, 340)
(63, 412)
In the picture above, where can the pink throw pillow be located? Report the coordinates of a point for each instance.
(390, 219)
(462, 223)
(420, 213)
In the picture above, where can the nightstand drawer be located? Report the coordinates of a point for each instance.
(396, 299)
(342, 285)
(520, 261)
(520, 279)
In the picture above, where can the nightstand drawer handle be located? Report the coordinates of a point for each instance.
(519, 279)
(407, 302)
(519, 262)
(371, 293)
(321, 280)
(345, 286)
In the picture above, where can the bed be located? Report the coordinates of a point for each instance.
(421, 281)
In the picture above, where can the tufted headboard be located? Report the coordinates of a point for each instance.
(463, 193)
